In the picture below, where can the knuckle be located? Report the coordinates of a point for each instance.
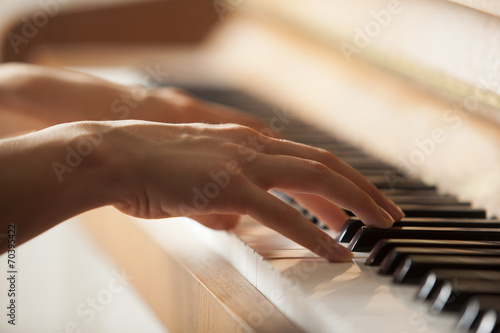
(365, 199)
(326, 157)
(231, 127)
(238, 129)
(318, 167)
(235, 150)
(362, 201)
(241, 151)
(240, 134)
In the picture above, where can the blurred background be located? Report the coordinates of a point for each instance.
(379, 74)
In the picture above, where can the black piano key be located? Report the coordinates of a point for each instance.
(434, 279)
(337, 148)
(441, 211)
(291, 201)
(367, 237)
(454, 293)
(490, 322)
(414, 268)
(365, 162)
(398, 254)
(431, 199)
(312, 137)
(372, 172)
(474, 310)
(349, 229)
(384, 246)
(456, 211)
(448, 222)
(391, 181)
(390, 192)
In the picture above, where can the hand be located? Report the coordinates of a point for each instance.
(216, 172)
(48, 96)
(173, 105)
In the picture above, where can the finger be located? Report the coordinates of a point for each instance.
(310, 177)
(217, 113)
(217, 221)
(277, 215)
(284, 147)
(230, 115)
(331, 215)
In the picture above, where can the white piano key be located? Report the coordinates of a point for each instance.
(285, 254)
(251, 266)
(316, 295)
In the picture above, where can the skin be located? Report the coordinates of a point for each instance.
(183, 157)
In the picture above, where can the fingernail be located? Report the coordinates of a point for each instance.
(341, 254)
(386, 218)
(395, 211)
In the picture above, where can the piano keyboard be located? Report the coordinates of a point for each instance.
(438, 270)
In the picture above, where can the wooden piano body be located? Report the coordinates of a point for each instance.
(414, 83)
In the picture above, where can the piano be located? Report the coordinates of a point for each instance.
(405, 91)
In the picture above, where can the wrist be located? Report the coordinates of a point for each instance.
(88, 163)
(83, 173)
(53, 174)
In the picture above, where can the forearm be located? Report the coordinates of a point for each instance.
(51, 175)
(57, 96)
(34, 97)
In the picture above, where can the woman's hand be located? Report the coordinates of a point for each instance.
(213, 173)
(173, 105)
(46, 96)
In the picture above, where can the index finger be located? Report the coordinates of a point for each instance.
(281, 217)
(285, 147)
